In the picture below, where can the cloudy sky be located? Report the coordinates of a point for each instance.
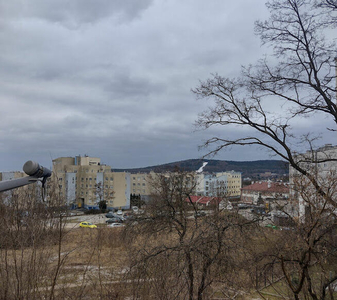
(113, 78)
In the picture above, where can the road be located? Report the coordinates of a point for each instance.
(74, 221)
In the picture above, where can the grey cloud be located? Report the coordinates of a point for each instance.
(75, 12)
(112, 78)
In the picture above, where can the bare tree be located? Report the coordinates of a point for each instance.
(301, 84)
(178, 253)
(300, 81)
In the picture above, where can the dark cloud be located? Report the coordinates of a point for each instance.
(113, 79)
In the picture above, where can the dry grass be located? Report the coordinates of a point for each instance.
(81, 264)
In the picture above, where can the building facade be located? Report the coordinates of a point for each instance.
(321, 164)
(221, 184)
(83, 182)
(264, 191)
(141, 184)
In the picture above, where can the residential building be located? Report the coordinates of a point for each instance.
(222, 184)
(204, 201)
(4, 176)
(83, 182)
(321, 164)
(11, 175)
(140, 184)
(264, 191)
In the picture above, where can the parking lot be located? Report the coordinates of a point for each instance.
(74, 221)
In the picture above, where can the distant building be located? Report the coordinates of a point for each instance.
(140, 184)
(28, 190)
(322, 165)
(202, 201)
(273, 196)
(11, 175)
(264, 190)
(221, 184)
(83, 182)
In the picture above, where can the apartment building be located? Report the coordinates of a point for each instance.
(11, 175)
(140, 184)
(213, 185)
(143, 183)
(83, 182)
(265, 191)
(322, 165)
(221, 184)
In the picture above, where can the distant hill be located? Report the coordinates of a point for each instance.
(253, 169)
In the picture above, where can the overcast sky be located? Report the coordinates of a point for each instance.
(113, 78)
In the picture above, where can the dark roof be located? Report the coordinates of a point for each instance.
(264, 186)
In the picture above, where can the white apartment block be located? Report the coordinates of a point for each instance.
(221, 184)
(83, 182)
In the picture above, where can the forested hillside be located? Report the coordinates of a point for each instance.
(247, 168)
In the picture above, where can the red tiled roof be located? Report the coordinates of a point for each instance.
(276, 187)
(203, 200)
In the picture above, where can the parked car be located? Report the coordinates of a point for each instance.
(110, 215)
(113, 220)
(114, 225)
(119, 212)
(243, 206)
(200, 214)
(87, 225)
(135, 209)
